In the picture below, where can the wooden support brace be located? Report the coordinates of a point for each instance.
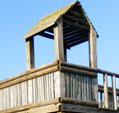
(30, 57)
(59, 41)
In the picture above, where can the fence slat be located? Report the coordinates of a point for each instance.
(106, 103)
(114, 92)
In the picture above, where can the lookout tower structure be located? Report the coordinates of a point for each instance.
(61, 87)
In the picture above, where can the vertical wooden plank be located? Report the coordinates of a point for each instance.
(106, 103)
(76, 86)
(57, 84)
(87, 89)
(114, 92)
(62, 85)
(35, 97)
(19, 95)
(90, 88)
(30, 57)
(30, 91)
(14, 95)
(66, 85)
(73, 85)
(42, 89)
(79, 88)
(39, 88)
(58, 38)
(51, 85)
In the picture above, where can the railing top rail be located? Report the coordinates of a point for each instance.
(101, 71)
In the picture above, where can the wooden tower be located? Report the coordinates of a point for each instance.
(61, 87)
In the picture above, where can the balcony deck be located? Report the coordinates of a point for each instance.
(59, 87)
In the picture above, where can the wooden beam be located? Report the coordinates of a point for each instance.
(74, 19)
(105, 83)
(76, 34)
(75, 25)
(30, 57)
(110, 90)
(114, 92)
(75, 13)
(92, 48)
(71, 32)
(59, 41)
(46, 35)
(76, 42)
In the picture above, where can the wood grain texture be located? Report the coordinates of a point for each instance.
(59, 41)
(30, 56)
(106, 103)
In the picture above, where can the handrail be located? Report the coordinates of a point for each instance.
(108, 95)
(100, 71)
(105, 80)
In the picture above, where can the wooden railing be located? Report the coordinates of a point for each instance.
(59, 79)
(108, 97)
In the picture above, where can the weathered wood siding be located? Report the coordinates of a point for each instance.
(79, 87)
(50, 86)
(35, 90)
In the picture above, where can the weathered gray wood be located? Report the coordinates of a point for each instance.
(59, 43)
(105, 83)
(75, 108)
(26, 108)
(30, 58)
(77, 71)
(114, 92)
(92, 48)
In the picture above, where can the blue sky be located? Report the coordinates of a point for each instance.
(17, 17)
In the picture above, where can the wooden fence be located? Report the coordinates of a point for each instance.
(58, 80)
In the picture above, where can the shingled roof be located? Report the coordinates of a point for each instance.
(75, 23)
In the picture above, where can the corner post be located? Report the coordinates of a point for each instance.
(59, 41)
(30, 57)
(93, 59)
(92, 48)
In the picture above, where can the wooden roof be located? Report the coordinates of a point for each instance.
(75, 24)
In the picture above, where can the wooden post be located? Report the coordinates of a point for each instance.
(105, 83)
(59, 43)
(92, 48)
(93, 59)
(30, 60)
(114, 92)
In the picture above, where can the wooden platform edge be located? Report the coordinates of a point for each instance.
(32, 106)
(74, 108)
(54, 103)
